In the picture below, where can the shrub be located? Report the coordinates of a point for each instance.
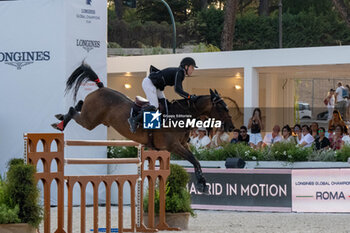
(121, 152)
(22, 193)
(290, 152)
(202, 48)
(343, 154)
(323, 155)
(178, 199)
(9, 215)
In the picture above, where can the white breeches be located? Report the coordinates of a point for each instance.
(152, 93)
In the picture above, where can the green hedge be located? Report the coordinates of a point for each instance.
(278, 152)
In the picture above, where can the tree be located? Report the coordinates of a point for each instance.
(118, 4)
(229, 25)
(263, 7)
(343, 9)
(154, 10)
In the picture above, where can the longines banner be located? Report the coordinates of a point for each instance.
(241, 189)
(41, 43)
(326, 190)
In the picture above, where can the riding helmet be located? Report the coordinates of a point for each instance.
(188, 61)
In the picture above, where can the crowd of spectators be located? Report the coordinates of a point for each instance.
(335, 137)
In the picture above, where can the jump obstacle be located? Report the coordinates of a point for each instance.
(32, 156)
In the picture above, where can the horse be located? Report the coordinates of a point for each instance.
(112, 108)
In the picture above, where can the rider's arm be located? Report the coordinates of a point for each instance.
(179, 77)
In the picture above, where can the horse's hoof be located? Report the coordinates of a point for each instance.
(202, 188)
(59, 117)
(58, 126)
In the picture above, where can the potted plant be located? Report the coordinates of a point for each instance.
(19, 199)
(177, 200)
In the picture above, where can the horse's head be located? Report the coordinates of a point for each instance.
(219, 110)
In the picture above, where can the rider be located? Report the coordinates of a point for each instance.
(154, 85)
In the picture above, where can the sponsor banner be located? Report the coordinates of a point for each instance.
(321, 190)
(32, 71)
(85, 40)
(247, 190)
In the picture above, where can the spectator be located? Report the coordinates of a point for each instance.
(335, 121)
(272, 138)
(347, 88)
(287, 135)
(203, 141)
(297, 132)
(235, 138)
(255, 125)
(306, 139)
(346, 137)
(322, 143)
(193, 136)
(336, 142)
(314, 129)
(330, 101)
(340, 93)
(331, 132)
(220, 138)
(243, 135)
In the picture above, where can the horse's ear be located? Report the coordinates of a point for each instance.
(216, 92)
(212, 94)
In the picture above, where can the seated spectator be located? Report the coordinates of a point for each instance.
(287, 135)
(297, 132)
(314, 129)
(331, 132)
(235, 138)
(306, 139)
(322, 143)
(336, 142)
(193, 136)
(220, 138)
(346, 137)
(272, 137)
(243, 135)
(203, 141)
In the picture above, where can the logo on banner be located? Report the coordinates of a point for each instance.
(88, 45)
(89, 15)
(20, 59)
(151, 120)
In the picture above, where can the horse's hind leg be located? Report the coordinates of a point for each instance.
(85, 121)
(77, 107)
(65, 119)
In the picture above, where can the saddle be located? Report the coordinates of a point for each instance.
(142, 103)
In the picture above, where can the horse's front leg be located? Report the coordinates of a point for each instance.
(185, 153)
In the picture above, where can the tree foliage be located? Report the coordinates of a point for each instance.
(305, 24)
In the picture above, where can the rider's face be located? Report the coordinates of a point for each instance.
(190, 70)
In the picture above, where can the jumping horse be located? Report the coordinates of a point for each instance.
(112, 108)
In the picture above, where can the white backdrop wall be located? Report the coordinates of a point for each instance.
(41, 43)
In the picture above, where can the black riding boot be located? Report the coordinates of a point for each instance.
(163, 106)
(134, 120)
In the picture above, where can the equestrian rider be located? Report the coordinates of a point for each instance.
(154, 85)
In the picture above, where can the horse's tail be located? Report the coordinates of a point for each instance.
(82, 74)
